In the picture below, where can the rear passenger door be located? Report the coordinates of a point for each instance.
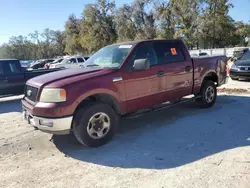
(177, 70)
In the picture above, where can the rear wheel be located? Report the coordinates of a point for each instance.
(208, 95)
(95, 124)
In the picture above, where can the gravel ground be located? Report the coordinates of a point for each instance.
(183, 146)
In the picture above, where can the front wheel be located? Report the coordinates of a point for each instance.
(95, 124)
(208, 95)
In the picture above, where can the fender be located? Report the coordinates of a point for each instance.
(106, 89)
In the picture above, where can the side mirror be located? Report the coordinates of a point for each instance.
(141, 64)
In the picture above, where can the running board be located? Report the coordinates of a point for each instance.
(159, 108)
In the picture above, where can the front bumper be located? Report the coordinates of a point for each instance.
(239, 74)
(58, 126)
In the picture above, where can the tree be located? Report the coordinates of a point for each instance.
(165, 18)
(242, 31)
(125, 26)
(97, 25)
(72, 32)
(133, 22)
(215, 23)
(186, 13)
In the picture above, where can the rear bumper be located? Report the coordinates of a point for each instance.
(239, 74)
(50, 125)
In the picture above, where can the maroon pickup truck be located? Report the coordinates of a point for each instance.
(117, 80)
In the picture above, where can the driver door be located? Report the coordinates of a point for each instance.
(143, 88)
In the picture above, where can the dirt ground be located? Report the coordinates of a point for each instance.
(183, 146)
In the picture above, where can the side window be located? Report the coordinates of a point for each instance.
(168, 52)
(50, 60)
(1, 69)
(80, 60)
(12, 67)
(73, 60)
(143, 51)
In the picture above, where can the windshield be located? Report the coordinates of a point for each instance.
(109, 56)
(57, 61)
(245, 56)
(65, 60)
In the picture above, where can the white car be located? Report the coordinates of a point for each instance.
(70, 62)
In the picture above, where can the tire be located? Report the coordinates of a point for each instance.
(234, 78)
(208, 95)
(90, 122)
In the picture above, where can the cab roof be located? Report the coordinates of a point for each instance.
(140, 41)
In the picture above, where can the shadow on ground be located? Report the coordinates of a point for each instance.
(170, 138)
(10, 104)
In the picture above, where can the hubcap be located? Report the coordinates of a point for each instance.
(98, 125)
(209, 95)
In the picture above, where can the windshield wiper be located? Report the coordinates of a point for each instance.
(93, 65)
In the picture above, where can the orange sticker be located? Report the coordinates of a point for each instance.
(173, 51)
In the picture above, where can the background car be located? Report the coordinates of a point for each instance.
(39, 64)
(241, 67)
(70, 62)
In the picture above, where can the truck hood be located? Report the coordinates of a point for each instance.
(242, 62)
(46, 79)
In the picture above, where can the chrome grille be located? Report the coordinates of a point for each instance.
(244, 68)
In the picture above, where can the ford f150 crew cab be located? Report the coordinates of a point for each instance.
(13, 76)
(119, 79)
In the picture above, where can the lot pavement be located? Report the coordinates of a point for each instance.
(242, 84)
(183, 146)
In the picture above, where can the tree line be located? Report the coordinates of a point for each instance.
(200, 23)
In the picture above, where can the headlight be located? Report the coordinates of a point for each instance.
(53, 95)
(234, 67)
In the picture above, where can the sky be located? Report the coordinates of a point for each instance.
(21, 17)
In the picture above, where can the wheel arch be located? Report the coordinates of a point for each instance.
(103, 98)
(210, 76)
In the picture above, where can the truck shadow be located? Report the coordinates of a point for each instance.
(10, 104)
(170, 138)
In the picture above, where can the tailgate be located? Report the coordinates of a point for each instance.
(222, 71)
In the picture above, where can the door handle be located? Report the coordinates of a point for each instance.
(160, 73)
(187, 69)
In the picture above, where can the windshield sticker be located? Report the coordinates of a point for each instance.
(125, 46)
(173, 51)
